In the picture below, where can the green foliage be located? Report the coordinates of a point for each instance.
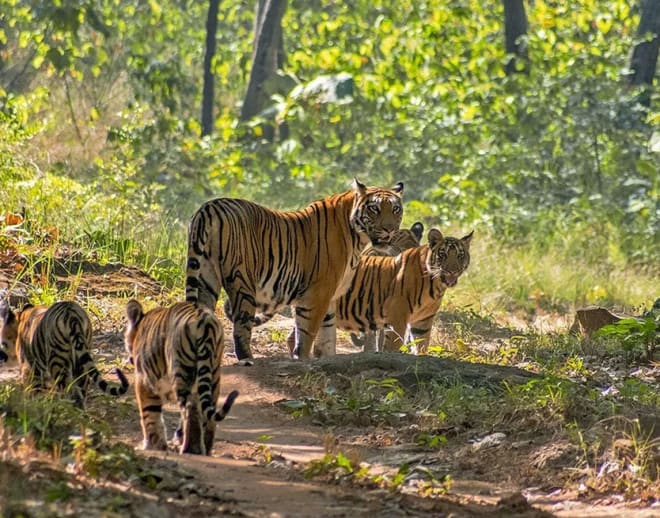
(552, 403)
(47, 419)
(637, 337)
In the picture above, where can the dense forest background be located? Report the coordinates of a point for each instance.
(543, 139)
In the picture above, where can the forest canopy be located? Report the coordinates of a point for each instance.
(101, 100)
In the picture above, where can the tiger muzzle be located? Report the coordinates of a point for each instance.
(449, 279)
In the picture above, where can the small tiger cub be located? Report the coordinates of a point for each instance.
(52, 346)
(177, 351)
(402, 239)
(404, 290)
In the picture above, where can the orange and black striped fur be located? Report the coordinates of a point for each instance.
(403, 239)
(52, 345)
(404, 290)
(266, 259)
(177, 351)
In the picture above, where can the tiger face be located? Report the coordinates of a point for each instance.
(377, 212)
(401, 240)
(449, 256)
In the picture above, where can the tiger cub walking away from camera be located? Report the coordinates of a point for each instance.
(404, 290)
(52, 346)
(177, 350)
(266, 259)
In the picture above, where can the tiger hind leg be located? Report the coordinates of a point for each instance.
(151, 417)
(191, 421)
(243, 311)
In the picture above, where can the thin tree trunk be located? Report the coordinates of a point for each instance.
(207, 91)
(644, 57)
(515, 32)
(266, 57)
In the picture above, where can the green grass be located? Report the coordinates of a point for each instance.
(551, 278)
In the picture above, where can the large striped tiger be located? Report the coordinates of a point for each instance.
(404, 290)
(266, 259)
(177, 350)
(51, 345)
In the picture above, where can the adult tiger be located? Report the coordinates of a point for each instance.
(266, 259)
(177, 349)
(52, 345)
(404, 290)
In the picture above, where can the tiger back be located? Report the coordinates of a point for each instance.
(404, 290)
(52, 346)
(177, 351)
(266, 259)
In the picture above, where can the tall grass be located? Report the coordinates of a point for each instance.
(550, 276)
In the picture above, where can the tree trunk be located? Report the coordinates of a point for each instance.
(645, 54)
(207, 92)
(515, 32)
(268, 54)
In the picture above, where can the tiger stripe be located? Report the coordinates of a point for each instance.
(266, 259)
(52, 344)
(404, 290)
(177, 350)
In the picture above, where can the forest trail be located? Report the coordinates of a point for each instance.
(259, 462)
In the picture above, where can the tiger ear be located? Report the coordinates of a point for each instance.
(435, 237)
(418, 230)
(359, 187)
(398, 188)
(466, 239)
(134, 312)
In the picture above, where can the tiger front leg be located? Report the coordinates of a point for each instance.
(308, 322)
(326, 339)
(394, 339)
(151, 417)
(421, 334)
(373, 341)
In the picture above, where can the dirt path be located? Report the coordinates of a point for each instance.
(256, 467)
(256, 428)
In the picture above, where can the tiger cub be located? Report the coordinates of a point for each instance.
(267, 259)
(177, 351)
(401, 240)
(51, 345)
(404, 290)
